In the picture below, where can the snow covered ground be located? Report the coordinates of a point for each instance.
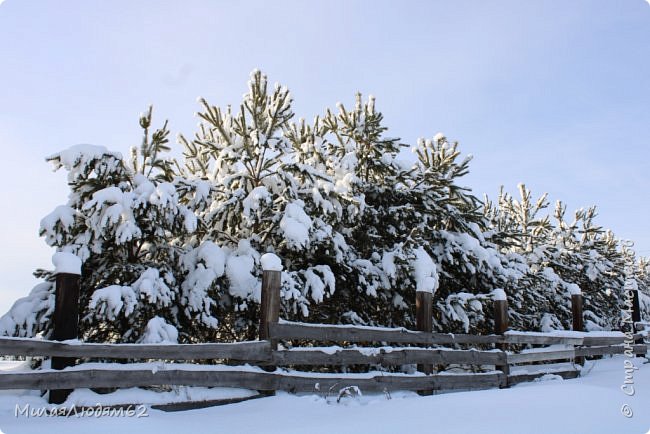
(590, 404)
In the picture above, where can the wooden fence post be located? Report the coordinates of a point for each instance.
(501, 325)
(270, 302)
(66, 312)
(636, 314)
(578, 321)
(424, 323)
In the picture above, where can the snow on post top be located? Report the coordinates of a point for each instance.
(499, 294)
(426, 272)
(271, 262)
(574, 289)
(66, 263)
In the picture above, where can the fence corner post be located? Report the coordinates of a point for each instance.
(424, 323)
(577, 319)
(500, 327)
(66, 312)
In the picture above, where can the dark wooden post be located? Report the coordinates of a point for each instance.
(424, 323)
(578, 321)
(501, 326)
(270, 303)
(636, 314)
(66, 313)
(423, 319)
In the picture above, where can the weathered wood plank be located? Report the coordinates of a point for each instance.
(336, 333)
(550, 339)
(602, 340)
(618, 349)
(391, 382)
(607, 340)
(245, 379)
(386, 356)
(252, 351)
(452, 338)
(541, 356)
(540, 339)
(522, 378)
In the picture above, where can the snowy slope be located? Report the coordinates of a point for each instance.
(591, 404)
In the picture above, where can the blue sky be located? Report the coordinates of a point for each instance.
(551, 93)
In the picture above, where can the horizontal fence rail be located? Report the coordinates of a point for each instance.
(640, 350)
(252, 351)
(260, 351)
(385, 356)
(520, 377)
(259, 380)
(566, 337)
(349, 333)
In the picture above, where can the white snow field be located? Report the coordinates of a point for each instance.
(590, 404)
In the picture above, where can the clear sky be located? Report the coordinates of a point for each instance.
(555, 94)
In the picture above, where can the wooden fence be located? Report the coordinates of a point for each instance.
(444, 361)
(260, 353)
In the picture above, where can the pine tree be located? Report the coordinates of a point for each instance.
(268, 194)
(124, 221)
